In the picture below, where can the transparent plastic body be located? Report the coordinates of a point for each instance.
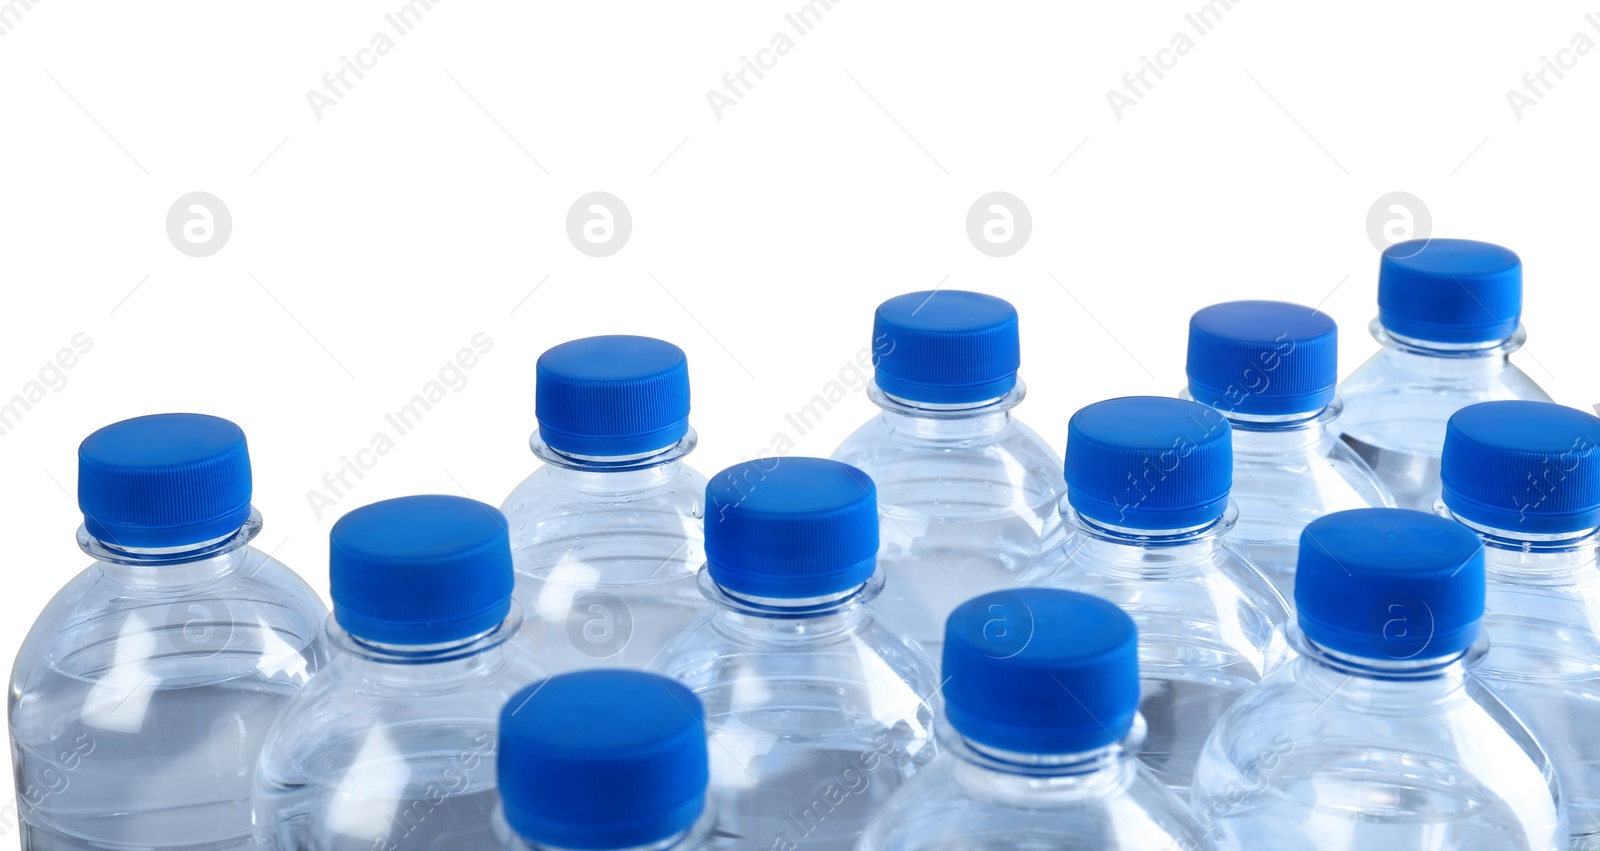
(1332, 753)
(392, 747)
(817, 711)
(1398, 403)
(142, 696)
(696, 838)
(976, 799)
(966, 499)
(1210, 624)
(1287, 472)
(607, 551)
(1543, 660)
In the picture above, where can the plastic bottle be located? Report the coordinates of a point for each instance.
(1448, 321)
(604, 761)
(1041, 691)
(142, 695)
(967, 493)
(1376, 735)
(1270, 368)
(608, 535)
(392, 746)
(1525, 477)
(1149, 520)
(817, 708)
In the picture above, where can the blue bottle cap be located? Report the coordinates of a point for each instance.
(1389, 584)
(164, 480)
(1450, 290)
(602, 759)
(1263, 358)
(1041, 671)
(1523, 467)
(946, 347)
(420, 570)
(791, 528)
(1146, 462)
(611, 396)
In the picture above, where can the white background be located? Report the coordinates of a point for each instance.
(429, 204)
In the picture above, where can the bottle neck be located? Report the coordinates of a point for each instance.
(1054, 778)
(600, 481)
(1447, 361)
(695, 838)
(1385, 686)
(1554, 558)
(614, 474)
(671, 843)
(927, 421)
(177, 567)
(1275, 440)
(429, 665)
(1278, 434)
(784, 618)
(1147, 552)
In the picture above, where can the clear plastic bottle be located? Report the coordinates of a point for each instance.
(1270, 368)
(967, 493)
(1149, 517)
(1041, 692)
(608, 535)
(392, 746)
(1448, 321)
(1523, 475)
(605, 760)
(1377, 736)
(142, 695)
(817, 708)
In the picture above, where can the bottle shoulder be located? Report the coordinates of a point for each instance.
(241, 614)
(1009, 471)
(415, 706)
(1376, 371)
(1358, 474)
(1202, 607)
(1362, 391)
(886, 440)
(1386, 390)
(1543, 627)
(1448, 718)
(550, 489)
(1305, 730)
(246, 576)
(726, 654)
(628, 536)
(1293, 488)
(951, 803)
(1523, 584)
(1212, 574)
